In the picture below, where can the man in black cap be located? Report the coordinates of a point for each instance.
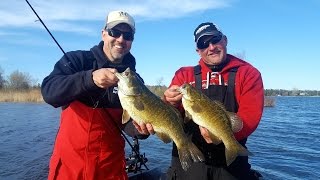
(237, 85)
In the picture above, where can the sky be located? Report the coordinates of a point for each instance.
(279, 37)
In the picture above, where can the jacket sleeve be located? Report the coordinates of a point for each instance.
(250, 98)
(68, 80)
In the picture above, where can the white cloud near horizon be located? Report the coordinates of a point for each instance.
(65, 15)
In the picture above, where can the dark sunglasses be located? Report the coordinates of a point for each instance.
(116, 33)
(201, 44)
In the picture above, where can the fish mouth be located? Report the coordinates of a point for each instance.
(185, 91)
(124, 87)
(118, 75)
(123, 76)
(182, 89)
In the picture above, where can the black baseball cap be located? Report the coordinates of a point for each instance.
(206, 29)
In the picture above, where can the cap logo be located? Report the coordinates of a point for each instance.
(121, 13)
(202, 28)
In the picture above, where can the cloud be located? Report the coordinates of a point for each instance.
(66, 15)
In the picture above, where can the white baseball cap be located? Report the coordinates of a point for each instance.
(117, 17)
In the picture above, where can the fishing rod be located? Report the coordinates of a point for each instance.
(134, 149)
(45, 27)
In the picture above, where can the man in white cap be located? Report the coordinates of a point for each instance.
(89, 144)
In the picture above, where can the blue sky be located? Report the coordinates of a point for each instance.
(279, 37)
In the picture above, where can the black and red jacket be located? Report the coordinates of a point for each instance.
(249, 90)
(88, 144)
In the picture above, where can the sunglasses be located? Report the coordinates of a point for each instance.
(202, 44)
(128, 36)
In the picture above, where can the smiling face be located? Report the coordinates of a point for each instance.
(115, 48)
(214, 54)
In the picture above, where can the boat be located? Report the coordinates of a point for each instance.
(136, 167)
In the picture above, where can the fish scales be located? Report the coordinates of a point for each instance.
(213, 116)
(141, 105)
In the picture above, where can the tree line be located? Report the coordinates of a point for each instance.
(23, 81)
(17, 81)
(293, 92)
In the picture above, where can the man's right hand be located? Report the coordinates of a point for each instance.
(172, 95)
(105, 77)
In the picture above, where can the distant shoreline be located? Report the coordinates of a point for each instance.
(31, 95)
(34, 96)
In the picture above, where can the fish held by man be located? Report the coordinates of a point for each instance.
(140, 104)
(212, 115)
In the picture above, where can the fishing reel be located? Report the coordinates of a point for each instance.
(135, 159)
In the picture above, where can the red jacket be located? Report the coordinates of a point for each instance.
(249, 90)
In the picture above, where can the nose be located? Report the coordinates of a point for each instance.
(211, 45)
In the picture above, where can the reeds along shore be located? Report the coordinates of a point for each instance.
(32, 95)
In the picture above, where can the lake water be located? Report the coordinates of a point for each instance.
(285, 145)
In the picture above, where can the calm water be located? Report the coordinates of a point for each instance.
(285, 145)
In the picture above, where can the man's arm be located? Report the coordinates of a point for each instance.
(250, 98)
(66, 82)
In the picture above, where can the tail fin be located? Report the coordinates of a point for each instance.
(195, 153)
(189, 150)
(184, 158)
(235, 150)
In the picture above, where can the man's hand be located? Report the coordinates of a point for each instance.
(172, 95)
(209, 138)
(105, 77)
(144, 128)
(205, 134)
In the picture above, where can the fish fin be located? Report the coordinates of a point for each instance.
(177, 112)
(187, 117)
(220, 104)
(184, 157)
(138, 105)
(195, 153)
(215, 140)
(188, 153)
(231, 155)
(235, 150)
(164, 137)
(196, 108)
(125, 116)
(236, 122)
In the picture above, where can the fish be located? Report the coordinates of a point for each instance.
(142, 106)
(212, 115)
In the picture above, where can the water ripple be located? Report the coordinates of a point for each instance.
(285, 145)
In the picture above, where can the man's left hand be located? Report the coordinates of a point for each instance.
(144, 128)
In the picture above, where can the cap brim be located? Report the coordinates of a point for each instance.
(209, 33)
(114, 23)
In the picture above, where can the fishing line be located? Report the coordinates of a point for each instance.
(45, 27)
(137, 153)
